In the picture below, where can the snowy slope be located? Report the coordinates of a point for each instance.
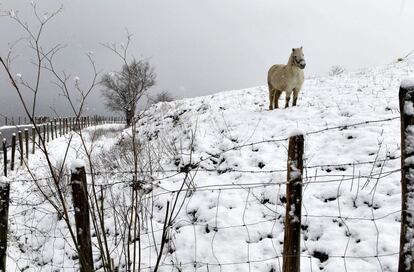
(233, 220)
(230, 216)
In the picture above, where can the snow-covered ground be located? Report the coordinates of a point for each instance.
(236, 150)
(350, 212)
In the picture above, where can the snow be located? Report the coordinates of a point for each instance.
(295, 132)
(76, 164)
(408, 108)
(4, 180)
(232, 217)
(339, 210)
(407, 83)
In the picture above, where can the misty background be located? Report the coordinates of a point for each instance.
(202, 47)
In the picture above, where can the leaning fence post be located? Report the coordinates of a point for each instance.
(406, 256)
(291, 244)
(4, 219)
(13, 151)
(81, 207)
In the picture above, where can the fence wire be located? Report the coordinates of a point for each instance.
(238, 228)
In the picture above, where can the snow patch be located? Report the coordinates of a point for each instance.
(4, 180)
(407, 83)
(76, 164)
(408, 108)
(295, 132)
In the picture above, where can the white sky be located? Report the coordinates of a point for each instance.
(201, 47)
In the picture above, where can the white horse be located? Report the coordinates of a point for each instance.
(286, 78)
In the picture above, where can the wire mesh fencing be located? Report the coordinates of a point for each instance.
(203, 216)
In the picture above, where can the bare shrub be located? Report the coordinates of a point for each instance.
(336, 70)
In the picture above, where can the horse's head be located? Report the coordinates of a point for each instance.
(298, 57)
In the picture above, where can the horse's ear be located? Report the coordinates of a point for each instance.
(301, 47)
(293, 49)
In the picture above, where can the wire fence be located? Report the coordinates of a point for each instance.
(235, 226)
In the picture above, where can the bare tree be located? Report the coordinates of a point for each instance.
(44, 62)
(336, 70)
(164, 96)
(125, 88)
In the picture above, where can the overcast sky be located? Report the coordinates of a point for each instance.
(202, 47)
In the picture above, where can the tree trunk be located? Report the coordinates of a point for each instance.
(129, 114)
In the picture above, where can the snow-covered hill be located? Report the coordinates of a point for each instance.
(233, 220)
(229, 154)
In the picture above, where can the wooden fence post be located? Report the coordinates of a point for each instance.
(26, 138)
(406, 256)
(39, 135)
(51, 130)
(13, 152)
(291, 244)
(4, 219)
(44, 133)
(21, 151)
(33, 139)
(47, 131)
(5, 157)
(81, 207)
(54, 123)
(60, 127)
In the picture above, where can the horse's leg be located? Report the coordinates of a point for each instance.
(288, 93)
(276, 98)
(295, 96)
(271, 97)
